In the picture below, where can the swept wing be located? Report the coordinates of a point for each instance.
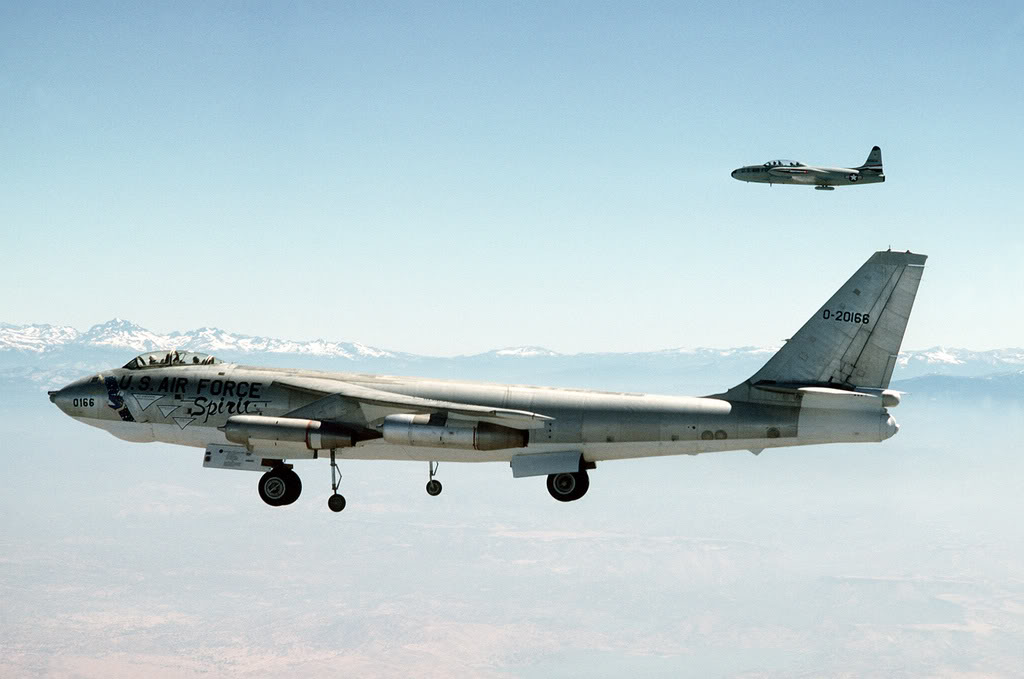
(345, 402)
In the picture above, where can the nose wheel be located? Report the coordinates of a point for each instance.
(336, 502)
(433, 485)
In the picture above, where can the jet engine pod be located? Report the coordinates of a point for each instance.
(257, 431)
(417, 430)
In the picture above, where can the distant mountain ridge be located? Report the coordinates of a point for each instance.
(120, 334)
(36, 357)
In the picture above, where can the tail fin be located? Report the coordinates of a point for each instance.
(854, 339)
(874, 161)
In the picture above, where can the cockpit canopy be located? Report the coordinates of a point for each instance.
(783, 163)
(162, 359)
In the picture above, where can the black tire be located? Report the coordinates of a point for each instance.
(280, 487)
(273, 487)
(336, 502)
(294, 485)
(582, 483)
(434, 487)
(568, 486)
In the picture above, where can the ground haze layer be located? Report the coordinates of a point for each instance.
(896, 559)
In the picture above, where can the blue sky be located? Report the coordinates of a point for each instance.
(449, 179)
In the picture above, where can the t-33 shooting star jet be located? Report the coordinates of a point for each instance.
(821, 178)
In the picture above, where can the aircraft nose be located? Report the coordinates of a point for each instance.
(78, 398)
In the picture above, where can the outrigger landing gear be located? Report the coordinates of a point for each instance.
(568, 486)
(335, 502)
(280, 486)
(433, 485)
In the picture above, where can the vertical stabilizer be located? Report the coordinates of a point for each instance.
(874, 161)
(854, 339)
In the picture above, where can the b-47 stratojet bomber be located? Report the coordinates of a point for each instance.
(827, 384)
(822, 178)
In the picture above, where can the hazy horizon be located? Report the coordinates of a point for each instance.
(348, 339)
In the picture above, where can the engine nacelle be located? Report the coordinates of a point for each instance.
(285, 433)
(416, 430)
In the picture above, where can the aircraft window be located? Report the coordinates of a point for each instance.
(162, 359)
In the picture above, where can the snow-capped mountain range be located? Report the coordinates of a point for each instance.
(128, 337)
(37, 357)
(122, 334)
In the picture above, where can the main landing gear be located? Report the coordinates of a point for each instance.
(568, 486)
(280, 486)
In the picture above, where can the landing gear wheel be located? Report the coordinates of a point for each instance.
(336, 502)
(280, 487)
(433, 485)
(294, 484)
(568, 486)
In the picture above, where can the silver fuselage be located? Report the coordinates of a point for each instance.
(807, 175)
(185, 405)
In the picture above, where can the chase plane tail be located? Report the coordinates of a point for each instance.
(874, 161)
